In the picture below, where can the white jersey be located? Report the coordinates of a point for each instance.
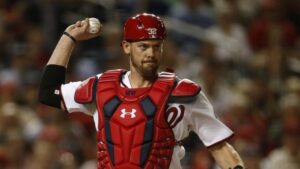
(198, 116)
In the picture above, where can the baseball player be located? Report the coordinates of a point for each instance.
(140, 115)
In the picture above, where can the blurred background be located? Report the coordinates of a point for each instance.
(244, 53)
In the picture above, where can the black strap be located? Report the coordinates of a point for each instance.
(70, 36)
(238, 167)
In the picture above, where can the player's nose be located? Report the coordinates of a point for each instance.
(151, 52)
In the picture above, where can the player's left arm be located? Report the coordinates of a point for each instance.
(200, 117)
(213, 133)
(226, 156)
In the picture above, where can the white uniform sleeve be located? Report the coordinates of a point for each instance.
(204, 123)
(68, 92)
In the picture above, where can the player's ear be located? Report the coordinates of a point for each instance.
(126, 47)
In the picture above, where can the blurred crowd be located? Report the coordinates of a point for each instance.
(244, 53)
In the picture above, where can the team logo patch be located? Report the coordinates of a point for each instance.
(175, 115)
(152, 32)
(124, 113)
(140, 25)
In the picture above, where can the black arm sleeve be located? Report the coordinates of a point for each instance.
(52, 78)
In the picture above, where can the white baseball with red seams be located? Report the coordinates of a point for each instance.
(94, 25)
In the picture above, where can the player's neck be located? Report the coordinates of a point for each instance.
(138, 81)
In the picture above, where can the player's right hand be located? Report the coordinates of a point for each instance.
(79, 30)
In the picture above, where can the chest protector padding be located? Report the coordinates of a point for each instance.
(133, 132)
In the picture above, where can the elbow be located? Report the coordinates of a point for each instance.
(51, 80)
(48, 97)
(42, 97)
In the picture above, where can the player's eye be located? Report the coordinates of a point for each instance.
(143, 46)
(157, 47)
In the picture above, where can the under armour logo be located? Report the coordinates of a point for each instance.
(124, 113)
(152, 32)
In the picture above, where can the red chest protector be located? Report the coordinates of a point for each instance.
(133, 132)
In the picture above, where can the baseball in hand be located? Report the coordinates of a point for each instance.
(94, 25)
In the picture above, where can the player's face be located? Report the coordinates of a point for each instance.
(145, 56)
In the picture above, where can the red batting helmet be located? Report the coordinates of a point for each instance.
(144, 26)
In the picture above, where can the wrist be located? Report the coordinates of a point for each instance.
(238, 167)
(70, 36)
